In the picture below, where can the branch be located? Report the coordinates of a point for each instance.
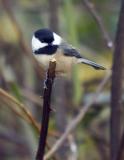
(46, 109)
(117, 86)
(23, 112)
(8, 99)
(120, 154)
(91, 8)
(77, 119)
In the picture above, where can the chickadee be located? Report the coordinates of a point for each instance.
(47, 45)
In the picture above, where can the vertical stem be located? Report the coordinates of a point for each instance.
(116, 89)
(46, 110)
(120, 154)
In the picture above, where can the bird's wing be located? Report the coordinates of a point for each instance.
(69, 50)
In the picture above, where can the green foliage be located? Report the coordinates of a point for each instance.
(16, 91)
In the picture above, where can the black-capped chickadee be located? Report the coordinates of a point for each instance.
(47, 45)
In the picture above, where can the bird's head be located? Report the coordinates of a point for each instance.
(43, 38)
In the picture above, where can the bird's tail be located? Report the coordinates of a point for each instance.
(91, 63)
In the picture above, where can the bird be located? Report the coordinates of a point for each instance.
(48, 45)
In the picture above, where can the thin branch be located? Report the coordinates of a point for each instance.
(117, 86)
(91, 8)
(22, 107)
(24, 113)
(33, 97)
(46, 109)
(13, 107)
(77, 119)
(120, 153)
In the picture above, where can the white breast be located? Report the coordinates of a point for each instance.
(44, 60)
(63, 63)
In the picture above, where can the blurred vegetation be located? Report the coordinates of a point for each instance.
(22, 79)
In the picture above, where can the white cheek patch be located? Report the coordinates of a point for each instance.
(57, 39)
(36, 44)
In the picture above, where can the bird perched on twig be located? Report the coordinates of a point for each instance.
(47, 45)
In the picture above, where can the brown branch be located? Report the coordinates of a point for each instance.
(46, 109)
(77, 119)
(91, 8)
(10, 99)
(24, 113)
(12, 106)
(30, 95)
(117, 86)
(120, 153)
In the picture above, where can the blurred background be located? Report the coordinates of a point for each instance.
(91, 27)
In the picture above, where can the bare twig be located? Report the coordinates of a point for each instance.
(117, 86)
(46, 109)
(24, 113)
(13, 107)
(91, 8)
(77, 119)
(120, 154)
(23, 108)
(33, 97)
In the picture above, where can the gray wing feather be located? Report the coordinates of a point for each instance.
(69, 50)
